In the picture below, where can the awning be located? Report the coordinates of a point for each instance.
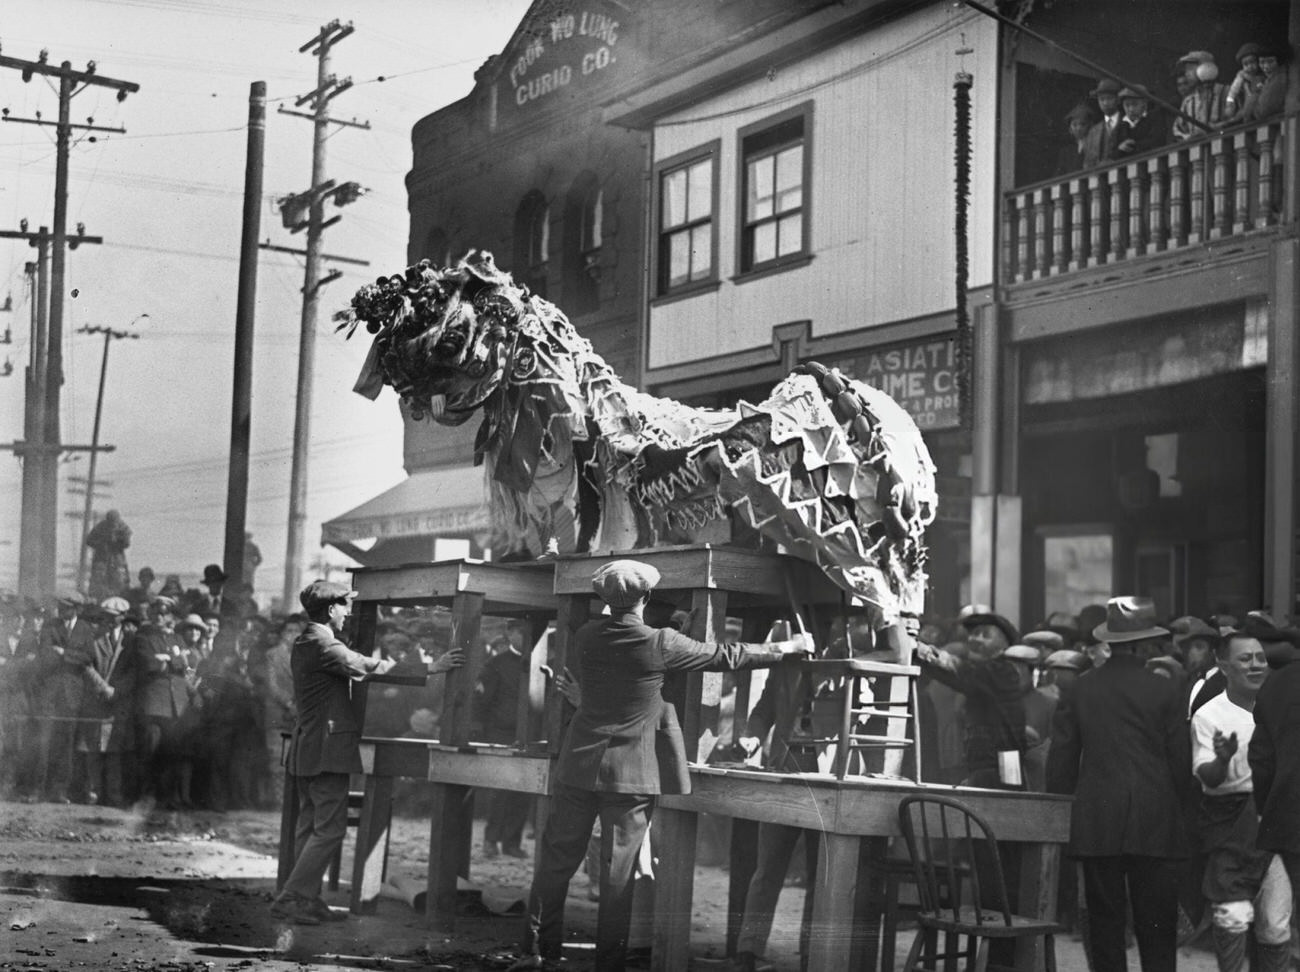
(448, 502)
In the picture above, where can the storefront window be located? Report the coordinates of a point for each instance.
(1079, 569)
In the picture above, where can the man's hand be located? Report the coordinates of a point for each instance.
(800, 644)
(568, 686)
(1225, 747)
(447, 661)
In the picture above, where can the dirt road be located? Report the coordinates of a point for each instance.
(95, 888)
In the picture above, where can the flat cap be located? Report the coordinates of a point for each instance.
(1065, 658)
(322, 593)
(621, 583)
(115, 606)
(1044, 640)
(1023, 653)
(1197, 57)
(1189, 626)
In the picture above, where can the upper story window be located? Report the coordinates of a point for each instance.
(687, 213)
(774, 177)
(532, 241)
(583, 236)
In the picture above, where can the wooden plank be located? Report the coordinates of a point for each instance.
(458, 700)
(288, 832)
(407, 758)
(833, 898)
(503, 770)
(743, 858)
(1039, 866)
(702, 691)
(674, 890)
(573, 613)
(771, 797)
(448, 806)
(872, 808)
(529, 717)
(507, 588)
(373, 831)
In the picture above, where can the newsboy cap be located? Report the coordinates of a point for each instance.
(621, 583)
(115, 606)
(323, 593)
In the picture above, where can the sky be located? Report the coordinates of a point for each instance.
(167, 198)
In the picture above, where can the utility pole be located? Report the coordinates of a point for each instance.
(241, 398)
(110, 335)
(327, 88)
(44, 443)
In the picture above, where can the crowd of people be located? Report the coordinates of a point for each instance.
(1116, 120)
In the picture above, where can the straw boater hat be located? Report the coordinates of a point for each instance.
(1129, 619)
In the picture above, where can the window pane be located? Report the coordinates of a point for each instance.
(789, 199)
(789, 168)
(700, 192)
(764, 242)
(679, 259)
(701, 252)
(759, 203)
(791, 235)
(674, 199)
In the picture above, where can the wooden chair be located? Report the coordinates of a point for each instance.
(952, 848)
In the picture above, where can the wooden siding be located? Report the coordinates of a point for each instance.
(881, 193)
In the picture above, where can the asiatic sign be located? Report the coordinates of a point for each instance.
(563, 50)
(921, 377)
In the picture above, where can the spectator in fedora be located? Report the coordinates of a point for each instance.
(66, 650)
(1137, 131)
(1206, 99)
(1245, 885)
(1120, 745)
(1099, 148)
(1196, 640)
(994, 688)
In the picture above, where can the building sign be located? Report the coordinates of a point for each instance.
(558, 54)
(921, 377)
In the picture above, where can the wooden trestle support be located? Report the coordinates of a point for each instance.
(856, 815)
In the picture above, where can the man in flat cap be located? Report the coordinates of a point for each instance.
(326, 744)
(67, 643)
(623, 747)
(106, 732)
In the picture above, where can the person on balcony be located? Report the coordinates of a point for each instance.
(1206, 100)
(1070, 157)
(1137, 131)
(1270, 99)
(1248, 81)
(1100, 145)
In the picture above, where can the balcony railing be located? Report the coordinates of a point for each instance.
(1215, 187)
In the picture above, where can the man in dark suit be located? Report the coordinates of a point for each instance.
(1274, 755)
(1099, 144)
(623, 747)
(326, 744)
(1138, 131)
(106, 733)
(66, 648)
(1120, 744)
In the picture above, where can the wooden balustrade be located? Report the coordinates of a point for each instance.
(1207, 189)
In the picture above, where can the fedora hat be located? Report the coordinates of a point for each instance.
(1136, 91)
(1189, 626)
(1106, 86)
(213, 574)
(1129, 619)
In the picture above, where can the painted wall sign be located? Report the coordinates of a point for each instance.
(921, 377)
(565, 50)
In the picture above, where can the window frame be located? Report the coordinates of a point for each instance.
(798, 257)
(712, 152)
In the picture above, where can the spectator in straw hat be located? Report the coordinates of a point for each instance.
(1120, 745)
(623, 747)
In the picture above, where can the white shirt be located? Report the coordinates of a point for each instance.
(1227, 717)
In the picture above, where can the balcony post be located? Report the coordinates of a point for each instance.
(1137, 210)
(1219, 188)
(1196, 231)
(1241, 184)
(1097, 191)
(1265, 144)
(1059, 209)
(1115, 200)
(1042, 235)
(1024, 269)
(1078, 240)
(1177, 197)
